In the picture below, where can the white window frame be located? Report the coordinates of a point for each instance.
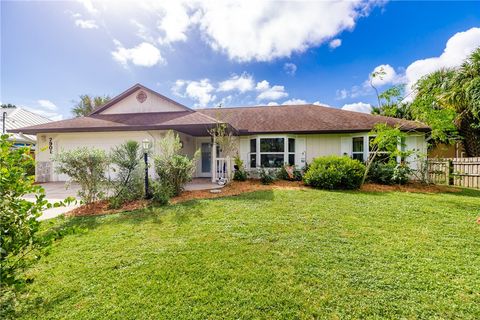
(286, 152)
(366, 147)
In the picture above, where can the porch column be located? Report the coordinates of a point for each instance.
(214, 160)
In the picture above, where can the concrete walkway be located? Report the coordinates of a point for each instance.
(57, 191)
(54, 192)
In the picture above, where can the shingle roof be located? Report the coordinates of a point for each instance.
(191, 122)
(304, 119)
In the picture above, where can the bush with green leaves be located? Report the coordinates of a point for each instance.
(240, 174)
(172, 168)
(266, 176)
(334, 172)
(88, 168)
(126, 160)
(20, 242)
(161, 193)
(283, 174)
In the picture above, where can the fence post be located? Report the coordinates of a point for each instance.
(447, 171)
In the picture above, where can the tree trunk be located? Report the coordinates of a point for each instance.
(471, 136)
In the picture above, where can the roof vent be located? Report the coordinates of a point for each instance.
(141, 96)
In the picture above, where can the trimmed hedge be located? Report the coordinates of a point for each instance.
(334, 172)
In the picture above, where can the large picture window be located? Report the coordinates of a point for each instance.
(271, 152)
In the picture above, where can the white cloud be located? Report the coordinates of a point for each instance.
(262, 85)
(175, 20)
(358, 107)
(384, 74)
(318, 103)
(86, 24)
(335, 43)
(200, 91)
(290, 68)
(240, 83)
(43, 111)
(265, 30)
(458, 47)
(144, 54)
(272, 104)
(294, 101)
(143, 32)
(341, 94)
(47, 104)
(88, 4)
(270, 93)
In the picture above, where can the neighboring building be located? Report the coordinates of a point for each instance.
(442, 150)
(17, 118)
(268, 136)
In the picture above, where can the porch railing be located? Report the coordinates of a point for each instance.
(222, 169)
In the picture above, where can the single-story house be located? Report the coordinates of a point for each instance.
(268, 136)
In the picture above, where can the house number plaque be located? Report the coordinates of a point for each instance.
(50, 145)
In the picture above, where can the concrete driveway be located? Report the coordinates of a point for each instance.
(57, 191)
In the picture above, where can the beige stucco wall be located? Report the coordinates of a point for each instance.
(154, 103)
(322, 145)
(101, 140)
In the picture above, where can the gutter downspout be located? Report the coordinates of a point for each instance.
(4, 130)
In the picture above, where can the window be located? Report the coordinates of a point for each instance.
(291, 151)
(272, 152)
(357, 148)
(253, 153)
(382, 156)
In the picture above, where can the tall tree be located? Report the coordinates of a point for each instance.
(463, 96)
(87, 104)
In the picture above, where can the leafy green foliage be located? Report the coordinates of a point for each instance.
(87, 104)
(87, 167)
(294, 175)
(161, 193)
(334, 172)
(389, 173)
(173, 169)
(240, 174)
(127, 163)
(7, 106)
(20, 243)
(266, 176)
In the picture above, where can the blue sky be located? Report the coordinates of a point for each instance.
(210, 53)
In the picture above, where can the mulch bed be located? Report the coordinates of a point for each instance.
(239, 187)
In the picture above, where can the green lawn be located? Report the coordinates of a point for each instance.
(269, 255)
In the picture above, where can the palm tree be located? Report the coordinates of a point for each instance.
(463, 96)
(87, 104)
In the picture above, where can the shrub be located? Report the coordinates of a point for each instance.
(240, 174)
(266, 176)
(87, 167)
(283, 174)
(335, 172)
(389, 173)
(161, 193)
(173, 169)
(20, 243)
(128, 184)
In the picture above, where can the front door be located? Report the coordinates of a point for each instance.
(206, 158)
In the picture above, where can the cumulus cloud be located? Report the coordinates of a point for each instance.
(272, 104)
(47, 104)
(294, 101)
(88, 5)
(335, 43)
(263, 30)
(318, 103)
(358, 107)
(290, 68)
(384, 74)
(458, 47)
(341, 94)
(144, 54)
(200, 91)
(268, 92)
(240, 83)
(86, 24)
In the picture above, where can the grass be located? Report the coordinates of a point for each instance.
(269, 255)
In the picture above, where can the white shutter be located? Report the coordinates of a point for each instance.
(346, 146)
(300, 152)
(244, 150)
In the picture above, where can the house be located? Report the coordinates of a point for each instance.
(14, 118)
(268, 136)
